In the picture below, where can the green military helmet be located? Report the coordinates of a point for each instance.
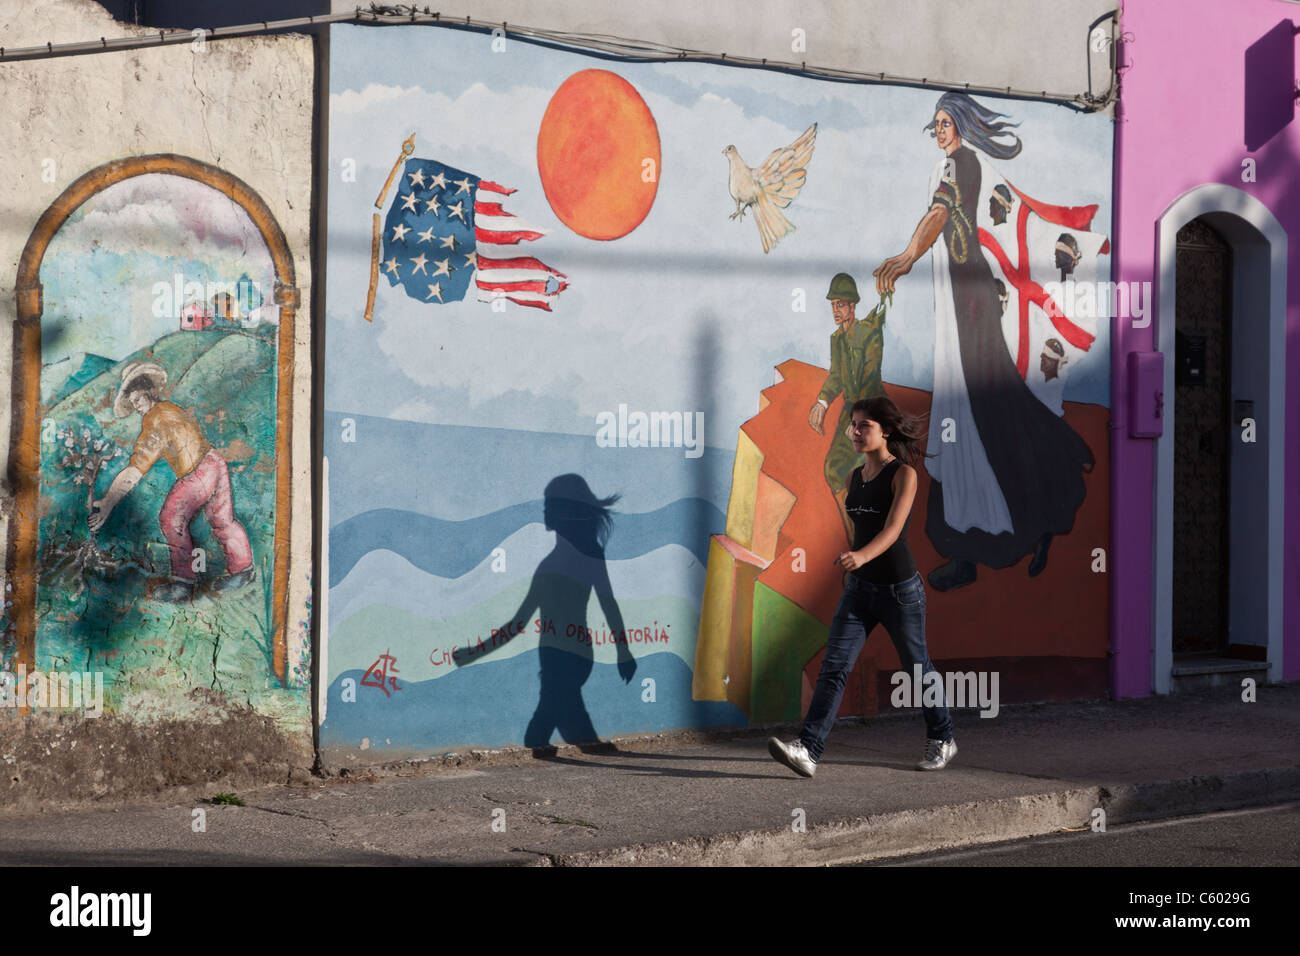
(843, 287)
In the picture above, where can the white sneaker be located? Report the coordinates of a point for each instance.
(937, 754)
(794, 755)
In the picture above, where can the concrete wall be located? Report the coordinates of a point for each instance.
(1183, 127)
(191, 689)
(1026, 44)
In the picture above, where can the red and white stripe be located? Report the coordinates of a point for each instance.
(501, 271)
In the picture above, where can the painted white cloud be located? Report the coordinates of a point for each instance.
(352, 102)
(165, 216)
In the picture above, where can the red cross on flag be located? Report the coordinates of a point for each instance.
(1047, 260)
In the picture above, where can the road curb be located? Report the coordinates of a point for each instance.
(905, 832)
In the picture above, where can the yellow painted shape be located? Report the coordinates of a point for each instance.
(774, 502)
(711, 647)
(744, 492)
(741, 653)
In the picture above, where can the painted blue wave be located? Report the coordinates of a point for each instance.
(452, 548)
(493, 704)
(461, 472)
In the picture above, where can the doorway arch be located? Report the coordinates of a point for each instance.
(1258, 314)
(24, 441)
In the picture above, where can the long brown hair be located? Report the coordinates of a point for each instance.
(905, 431)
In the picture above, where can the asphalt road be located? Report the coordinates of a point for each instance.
(1258, 837)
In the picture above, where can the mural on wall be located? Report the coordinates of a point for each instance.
(157, 418)
(1013, 478)
(1005, 464)
(566, 517)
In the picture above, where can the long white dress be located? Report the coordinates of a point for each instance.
(1011, 469)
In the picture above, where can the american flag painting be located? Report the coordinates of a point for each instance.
(447, 233)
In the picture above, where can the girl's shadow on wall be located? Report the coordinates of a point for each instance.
(558, 596)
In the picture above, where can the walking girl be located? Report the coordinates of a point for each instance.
(882, 585)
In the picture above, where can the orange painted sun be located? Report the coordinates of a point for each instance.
(598, 155)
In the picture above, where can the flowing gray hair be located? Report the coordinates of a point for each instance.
(978, 125)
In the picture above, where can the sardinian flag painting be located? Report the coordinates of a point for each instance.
(1046, 261)
(447, 233)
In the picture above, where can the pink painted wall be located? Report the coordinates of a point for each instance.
(1181, 123)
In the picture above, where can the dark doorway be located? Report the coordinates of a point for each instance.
(1202, 423)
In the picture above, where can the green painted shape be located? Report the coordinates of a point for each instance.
(60, 380)
(175, 352)
(785, 638)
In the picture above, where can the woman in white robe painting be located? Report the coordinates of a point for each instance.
(1009, 477)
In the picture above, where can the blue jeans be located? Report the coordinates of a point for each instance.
(901, 608)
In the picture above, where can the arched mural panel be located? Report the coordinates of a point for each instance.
(149, 454)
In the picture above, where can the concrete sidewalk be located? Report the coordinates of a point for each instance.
(1034, 769)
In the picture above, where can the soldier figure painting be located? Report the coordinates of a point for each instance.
(857, 346)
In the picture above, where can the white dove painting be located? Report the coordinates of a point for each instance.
(772, 186)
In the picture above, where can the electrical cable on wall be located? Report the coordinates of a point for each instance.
(400, 15)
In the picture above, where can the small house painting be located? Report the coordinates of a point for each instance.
(195, 319)
(225, 311)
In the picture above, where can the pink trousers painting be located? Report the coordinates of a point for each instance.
(206, 487)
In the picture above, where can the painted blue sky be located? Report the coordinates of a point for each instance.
(686, 312)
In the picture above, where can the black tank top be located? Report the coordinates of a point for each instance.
(868, 504)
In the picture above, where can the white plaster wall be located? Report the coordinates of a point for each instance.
(1025, 44)
(244, 105)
